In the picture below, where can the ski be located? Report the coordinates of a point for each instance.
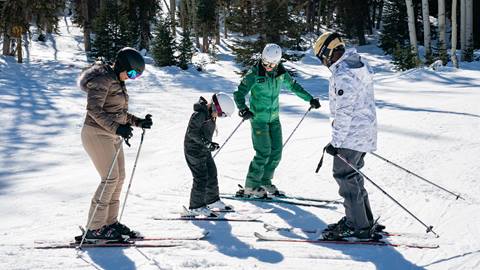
(270, 227)
(276, 200)
(287, 197)
(106, 245)
(300, 198)
(238, 211)
(172, 238)
(199, 236)
(246, 211)
(227, 219)
(344, 242)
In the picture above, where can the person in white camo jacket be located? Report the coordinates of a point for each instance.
(354, 133)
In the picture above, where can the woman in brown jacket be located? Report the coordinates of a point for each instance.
(107, 123)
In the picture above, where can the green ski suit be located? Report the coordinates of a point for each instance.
(264, 88)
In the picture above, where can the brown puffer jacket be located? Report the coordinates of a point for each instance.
(107, 98)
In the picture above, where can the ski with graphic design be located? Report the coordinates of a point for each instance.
(350, 241)
(287, 197)
(227, 219)
(105, 244)
(276, 200)
(199, 236)
(270, 227)
(238, 211)
(46, 244)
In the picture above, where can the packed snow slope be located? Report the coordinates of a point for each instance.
(429, 122)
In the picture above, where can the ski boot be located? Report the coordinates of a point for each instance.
(376, 227)
(196, 212)
(258, 192)
(345, 232)
(104, 234)
(273, 190)
(220, 206)
(332, 226)
(125, 231)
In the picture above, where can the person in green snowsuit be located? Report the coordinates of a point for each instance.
(264, 82)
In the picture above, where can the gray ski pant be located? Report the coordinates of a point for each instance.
(356, 203)
(205, 183)
(101, 146)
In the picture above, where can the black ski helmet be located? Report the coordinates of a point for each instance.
(128, 59)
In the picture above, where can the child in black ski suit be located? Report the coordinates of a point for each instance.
(198, 146)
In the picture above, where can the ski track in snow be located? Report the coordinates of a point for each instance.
(428, 123)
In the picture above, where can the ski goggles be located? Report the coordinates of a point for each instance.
(133, 74)
(269, 65)
(216, 107)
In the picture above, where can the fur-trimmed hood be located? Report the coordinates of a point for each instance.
(99, 69)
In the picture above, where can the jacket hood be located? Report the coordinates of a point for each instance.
(201, 105)
(97, 70)
(351, 58)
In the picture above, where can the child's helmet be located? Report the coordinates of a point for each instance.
(223, 104)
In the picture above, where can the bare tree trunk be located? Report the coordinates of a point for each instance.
(374, 14)
(463, 25)
(454, 34)
(217, 26)
(469, 30)
(426, 29)
(193, 12)
(411, 27)
(380, 14)
(86, 26)
(319, 20)
(226, 13)
(172, 17)
(19, 50)
(6, 44)
(441, 30)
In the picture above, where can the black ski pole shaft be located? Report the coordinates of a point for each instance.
(228, 138)
(131, 176)
(418, 176)
(90, 219)
(429, 228)
(295, 129)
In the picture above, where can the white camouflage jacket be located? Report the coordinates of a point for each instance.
(352, 104)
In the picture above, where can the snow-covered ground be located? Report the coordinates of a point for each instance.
(429, 122)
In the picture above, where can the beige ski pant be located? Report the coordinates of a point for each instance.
(101, 146)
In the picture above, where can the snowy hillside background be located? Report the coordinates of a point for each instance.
(429, 121)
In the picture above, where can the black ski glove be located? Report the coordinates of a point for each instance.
(331, 149)
(125, 131)
(212, 146)
(315, 103)
(145, 123)
(245, 114)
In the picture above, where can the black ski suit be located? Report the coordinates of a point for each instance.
(199, 158)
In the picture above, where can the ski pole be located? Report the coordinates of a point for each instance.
(239, 124)
(414, 174)
(131, 176)
(100, 197)
(295, 129)
(429, 228)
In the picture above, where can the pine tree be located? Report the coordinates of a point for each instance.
(241, 19)
(14, 22)
(395, 26)
(185, 49)
(140, 14)
(163, 45)
(352, 17)
(110, 27)
(46, 14)
(206, 17)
